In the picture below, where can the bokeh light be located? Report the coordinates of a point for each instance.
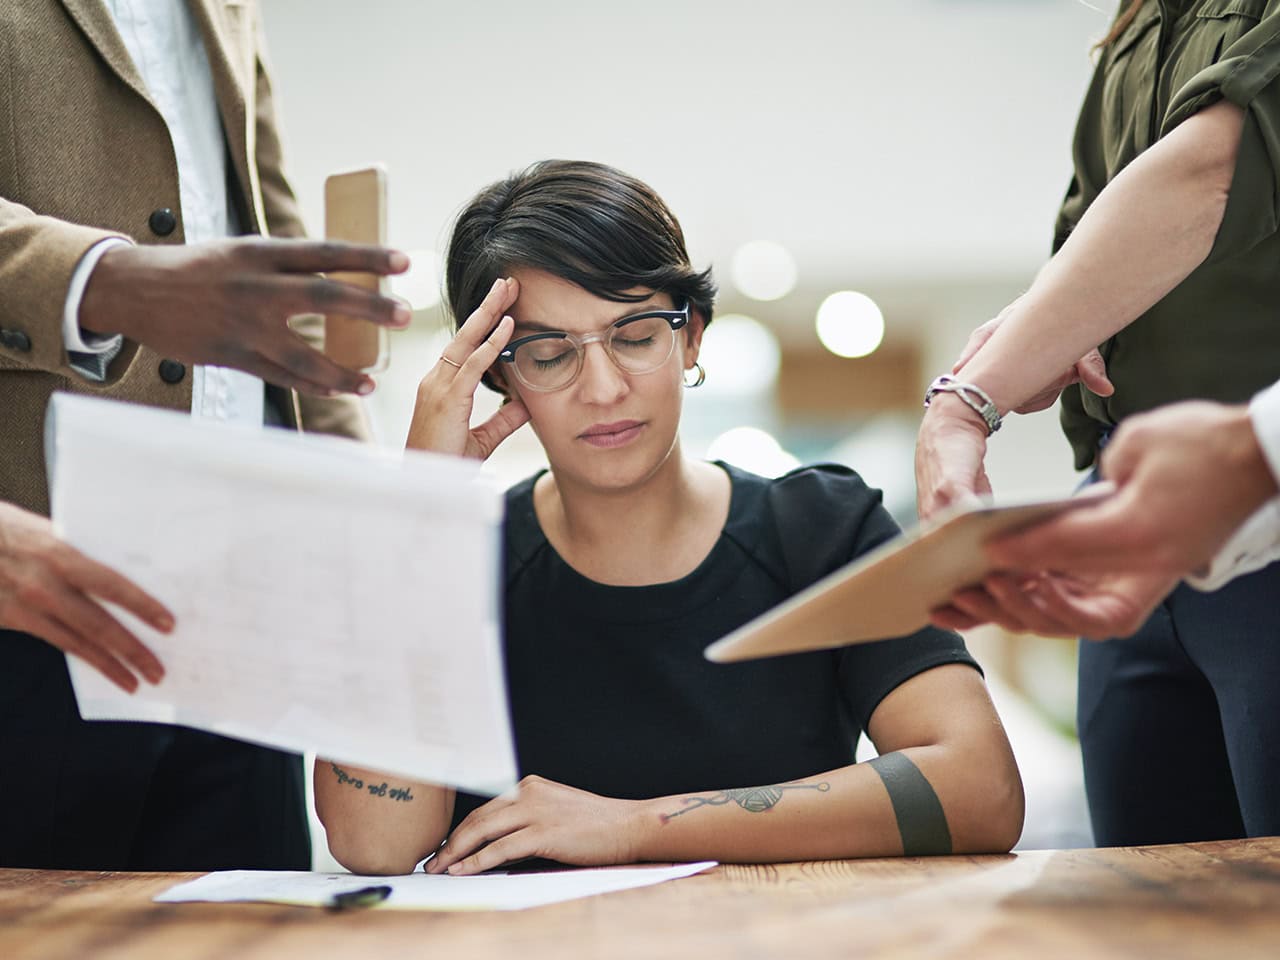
(763, 270)
(741, 356)
(752, 449)
(850, 324)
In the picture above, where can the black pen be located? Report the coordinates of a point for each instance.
(364, 897)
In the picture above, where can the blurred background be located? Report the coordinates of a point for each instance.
(870, 181)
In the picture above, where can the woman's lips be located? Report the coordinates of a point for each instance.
(612, 434)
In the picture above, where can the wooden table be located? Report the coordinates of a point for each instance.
(1217, 900)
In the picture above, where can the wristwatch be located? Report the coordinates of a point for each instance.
(974, 397)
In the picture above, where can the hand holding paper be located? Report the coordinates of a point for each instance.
(50, 589)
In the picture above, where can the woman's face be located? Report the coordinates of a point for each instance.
(608, 429)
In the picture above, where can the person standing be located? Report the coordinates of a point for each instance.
(1165, 255)
(139, 136)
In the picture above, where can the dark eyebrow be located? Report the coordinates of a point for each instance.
(630, 312)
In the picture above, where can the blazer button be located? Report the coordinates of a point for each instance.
(171, 371)
(15, 340)
(162, 222)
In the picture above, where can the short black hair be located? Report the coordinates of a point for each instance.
(587, 223)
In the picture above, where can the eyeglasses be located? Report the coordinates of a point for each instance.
(638, 344)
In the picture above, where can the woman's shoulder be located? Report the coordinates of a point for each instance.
(808, 521)
(522, 533)
(816, 487)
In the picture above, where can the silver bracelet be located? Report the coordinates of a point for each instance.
(974, 397)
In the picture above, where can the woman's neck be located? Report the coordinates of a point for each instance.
(654, 532)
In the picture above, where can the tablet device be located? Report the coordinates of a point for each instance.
(890, 591)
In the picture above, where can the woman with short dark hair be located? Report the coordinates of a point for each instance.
(627, 558)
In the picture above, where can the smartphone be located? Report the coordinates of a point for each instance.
(355, 210)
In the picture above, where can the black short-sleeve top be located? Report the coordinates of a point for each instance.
(608, 685)
(1217, 334)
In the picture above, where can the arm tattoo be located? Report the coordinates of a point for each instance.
(921, 819)
(750, 799)
(401, 794)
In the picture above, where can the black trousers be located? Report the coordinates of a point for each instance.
(133, 796)
(1180, 724)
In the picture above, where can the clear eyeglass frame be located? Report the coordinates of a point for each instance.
(516, 352)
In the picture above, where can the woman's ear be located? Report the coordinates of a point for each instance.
(693, 338)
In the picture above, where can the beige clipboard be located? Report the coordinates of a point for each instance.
(890, 591)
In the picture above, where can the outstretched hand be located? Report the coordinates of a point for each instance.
(1187, 476)
(446, 396)
(227, 302)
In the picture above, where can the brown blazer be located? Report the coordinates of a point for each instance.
(85, 155)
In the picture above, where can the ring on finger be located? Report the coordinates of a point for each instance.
(452, 363)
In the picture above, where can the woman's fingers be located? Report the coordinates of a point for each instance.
(976, 340)
(483, 319)
(464, 843)
(1092, 371)
(509, 418)
(495, 819)
(515, 846)
(483, 357)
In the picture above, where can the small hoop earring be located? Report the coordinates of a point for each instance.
(699, 380)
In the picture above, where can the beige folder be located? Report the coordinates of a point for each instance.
(890, 591)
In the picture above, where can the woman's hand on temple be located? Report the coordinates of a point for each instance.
(542, 819)
(446, 395)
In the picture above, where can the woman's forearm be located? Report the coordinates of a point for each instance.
(1143, 235)
(907, 801)
(378, 824)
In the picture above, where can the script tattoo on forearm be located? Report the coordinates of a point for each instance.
(401, 794)
(921, 819)
(750, 799)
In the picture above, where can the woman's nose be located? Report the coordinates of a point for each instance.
(600, 381)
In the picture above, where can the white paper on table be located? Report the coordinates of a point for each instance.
(421, 891)
(328, 597)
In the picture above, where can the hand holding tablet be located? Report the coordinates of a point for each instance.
(891, 591)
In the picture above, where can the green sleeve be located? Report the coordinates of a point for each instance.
(1247, 74)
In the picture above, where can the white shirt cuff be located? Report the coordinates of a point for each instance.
(88, 354)
(1253, 546)
(1257, 542)
(1264, 411)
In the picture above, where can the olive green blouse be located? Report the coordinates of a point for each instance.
(1217, 334)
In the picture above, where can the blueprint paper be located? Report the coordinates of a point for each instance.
(328, 597)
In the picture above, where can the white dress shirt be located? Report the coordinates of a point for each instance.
(169, 54)
(1257, 543)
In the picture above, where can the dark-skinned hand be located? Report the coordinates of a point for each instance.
(228, 302)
